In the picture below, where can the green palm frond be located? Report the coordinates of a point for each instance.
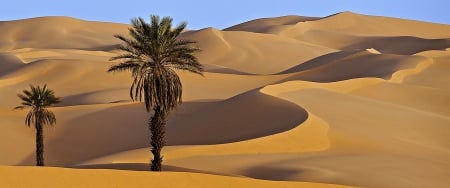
(38, 99)
(152, 54)
(125, 66)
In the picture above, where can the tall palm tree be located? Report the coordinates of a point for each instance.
(38, 99)
(152, 55)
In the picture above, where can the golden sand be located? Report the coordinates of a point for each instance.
(347, 99)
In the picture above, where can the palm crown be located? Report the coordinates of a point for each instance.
(38, 99)
(152, 55)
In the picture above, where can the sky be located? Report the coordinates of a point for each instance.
(221, 14)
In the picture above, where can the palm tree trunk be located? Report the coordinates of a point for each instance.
(39, 145)
(157, 126)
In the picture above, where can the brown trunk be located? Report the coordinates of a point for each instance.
(39, 145)
(157, 130)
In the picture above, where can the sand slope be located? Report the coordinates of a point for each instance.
(346, 99)
(64, 32)
(349, 23)
(253, 52)
(60, 177)
(270, 25)
(349, 31)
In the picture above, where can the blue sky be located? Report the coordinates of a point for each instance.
(224, 13)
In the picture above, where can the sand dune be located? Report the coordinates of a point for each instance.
(435, 76)
(104, 125)
(57, 177)
(270, 25)
(220, 69)
(217, 128)
(435, 53)
(346, 99)
(358, 64)
(72, 78)
(409, 135)
(365, 25)
(322, 60)
(310, 136)
(350, 31)
(252, 52)
(64, 32)
(9, 63)
(350, 23)
(424, 98)
(400, 45)
(362, 145)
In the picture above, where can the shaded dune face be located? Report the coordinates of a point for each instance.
(289, 98)
(107, 127)
(357, 65)
(246, 117)
(9, 63)
(403, 45)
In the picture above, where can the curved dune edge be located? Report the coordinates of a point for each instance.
(249, 53)
(353, 64)
(363, 151)
(353, 133)
(30, 54)
(345, 86)
(104, 124)
(399, 76)
(33, 54)
(435, 53)
(309, 136)
(62, 177)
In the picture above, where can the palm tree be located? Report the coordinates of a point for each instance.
(152, 55)
(38, 99)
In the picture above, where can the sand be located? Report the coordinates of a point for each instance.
(60, 177)
(347, 99)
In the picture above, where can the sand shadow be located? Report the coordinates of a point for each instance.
(272, 173)
(143, 167)
(123, 128)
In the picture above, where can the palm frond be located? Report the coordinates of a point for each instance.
(20, 107)
(38, 99)
(26, 99)
(126, 66)
(190, 66)
(30, 118)
(47, 117)
(151, 54)
(180, 28)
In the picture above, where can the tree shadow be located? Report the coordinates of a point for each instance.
(142, 167)
(274, 173)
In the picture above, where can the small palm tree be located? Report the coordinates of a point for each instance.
(38, 99)
(152, 54)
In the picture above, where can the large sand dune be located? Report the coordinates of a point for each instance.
(347, 99)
